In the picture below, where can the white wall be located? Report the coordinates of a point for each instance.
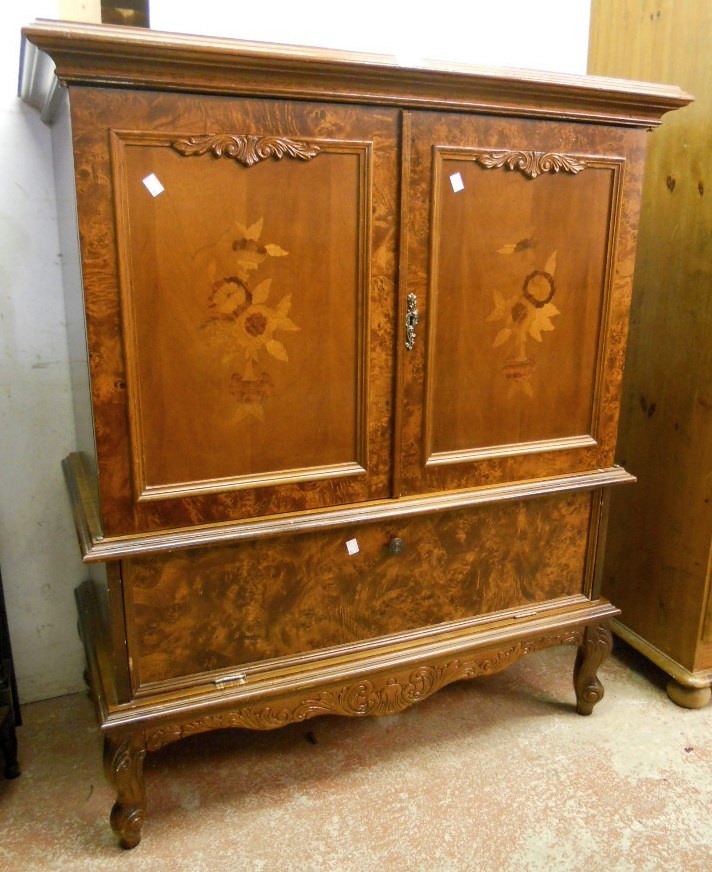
(518, 33)
(38, 551)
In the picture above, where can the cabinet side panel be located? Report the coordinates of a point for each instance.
(210, 609)
(72, 279)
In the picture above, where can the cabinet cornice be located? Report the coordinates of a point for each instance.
(133, 57)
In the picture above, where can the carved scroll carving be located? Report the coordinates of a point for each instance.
(531, 163)
(593, 650)
(246, 149)
(384, 695)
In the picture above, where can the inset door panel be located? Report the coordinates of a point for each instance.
(243, 285)
(255, 300)
(523, 271)
(512, 268)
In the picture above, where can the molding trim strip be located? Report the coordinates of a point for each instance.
(96, 549)
(86, 54)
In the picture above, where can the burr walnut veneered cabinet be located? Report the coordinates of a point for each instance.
(348, 412)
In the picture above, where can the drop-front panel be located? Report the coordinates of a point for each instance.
(355, 336)
(245, 605)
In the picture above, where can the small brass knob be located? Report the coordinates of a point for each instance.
(396, 545)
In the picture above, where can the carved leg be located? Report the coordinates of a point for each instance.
(123, 765)
(596, 646)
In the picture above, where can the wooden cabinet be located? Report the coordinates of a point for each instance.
(659, 556)
(349, 342)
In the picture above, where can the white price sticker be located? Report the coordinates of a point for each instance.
(153, 185)
(352, 547)
(456, 182)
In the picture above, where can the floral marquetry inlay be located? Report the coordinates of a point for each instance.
(246, 149)
(524, 315)
(242, 322)
(531, 163)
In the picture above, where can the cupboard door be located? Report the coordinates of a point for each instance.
(519, 247)
(255, 256)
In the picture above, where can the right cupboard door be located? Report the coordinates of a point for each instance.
(517, 255)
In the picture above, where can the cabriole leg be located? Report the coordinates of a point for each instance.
(123, 765)
(595, 648)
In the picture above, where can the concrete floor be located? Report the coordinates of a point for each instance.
(495, 774)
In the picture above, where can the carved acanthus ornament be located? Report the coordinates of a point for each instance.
(531, 163)
(246, 149)
(384, 695)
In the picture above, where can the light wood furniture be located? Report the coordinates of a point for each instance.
(355, 339)
(659, 556)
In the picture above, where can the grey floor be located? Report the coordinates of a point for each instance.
(495, 774)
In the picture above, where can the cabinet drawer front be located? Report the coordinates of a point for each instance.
(255, 602)
(255, 253)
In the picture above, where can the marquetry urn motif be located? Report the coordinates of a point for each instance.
(349, 342)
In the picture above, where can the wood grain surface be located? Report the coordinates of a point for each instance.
(174, 367)
(659, 557)
(211, 609)
(479, 405)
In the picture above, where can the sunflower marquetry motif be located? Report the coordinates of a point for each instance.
(242, 318)
(246, 149)
(531, 163)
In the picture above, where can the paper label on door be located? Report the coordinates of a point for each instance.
(153, 185)
(352, 547)
(456, 182)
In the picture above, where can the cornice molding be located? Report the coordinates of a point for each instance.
(134, 57)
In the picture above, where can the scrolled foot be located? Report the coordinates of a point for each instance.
(126, 822)
(594, 649)
(123, 764)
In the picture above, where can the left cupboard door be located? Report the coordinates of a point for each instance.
(238, 267)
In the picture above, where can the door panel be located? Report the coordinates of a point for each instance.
(231, 275)
(255, 254)
(512, 252)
